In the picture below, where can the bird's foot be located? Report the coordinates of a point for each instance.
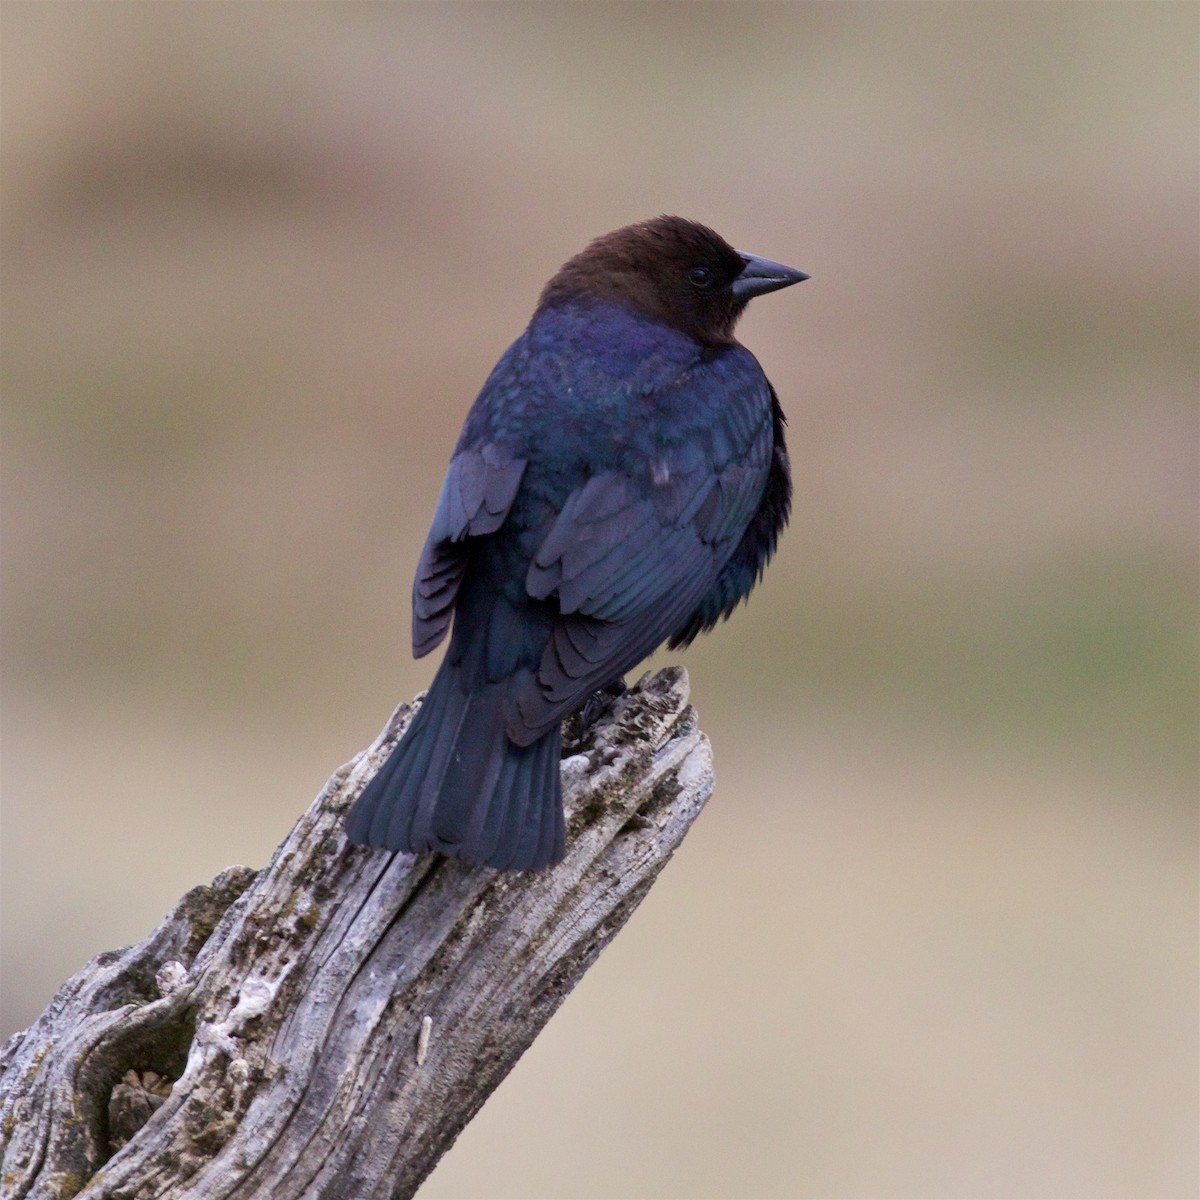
(599, 704)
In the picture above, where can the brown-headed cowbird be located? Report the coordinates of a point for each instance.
(621, 481)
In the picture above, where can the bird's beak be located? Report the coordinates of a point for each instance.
(761, 275)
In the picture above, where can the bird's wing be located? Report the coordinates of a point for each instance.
(478, 491)
(755, 547)
(629, 558)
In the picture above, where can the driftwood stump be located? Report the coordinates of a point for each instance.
(325, 1027)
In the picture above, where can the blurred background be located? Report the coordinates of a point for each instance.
(936, 933)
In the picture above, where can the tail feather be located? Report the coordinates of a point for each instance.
(457, 784)
(530, 828)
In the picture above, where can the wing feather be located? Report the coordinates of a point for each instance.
(480, 486)
(629, 558)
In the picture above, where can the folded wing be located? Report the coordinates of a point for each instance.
(629, 559)
(478, 491)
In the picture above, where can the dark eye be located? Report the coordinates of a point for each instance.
(701, 277)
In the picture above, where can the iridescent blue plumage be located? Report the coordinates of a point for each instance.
(621, 481)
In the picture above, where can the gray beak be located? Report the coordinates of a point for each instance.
(761, 275)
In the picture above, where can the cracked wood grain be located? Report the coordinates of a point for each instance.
(325, 1027)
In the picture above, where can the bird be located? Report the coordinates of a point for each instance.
(621, 481)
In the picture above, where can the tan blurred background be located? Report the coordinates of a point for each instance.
(936, 933)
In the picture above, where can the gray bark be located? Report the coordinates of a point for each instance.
(325, 1027)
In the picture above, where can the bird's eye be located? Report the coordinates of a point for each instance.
(700, 277)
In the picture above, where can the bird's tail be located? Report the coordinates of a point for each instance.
(456, 784)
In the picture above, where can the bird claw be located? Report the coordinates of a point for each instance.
(579, 725)
(599, 704)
